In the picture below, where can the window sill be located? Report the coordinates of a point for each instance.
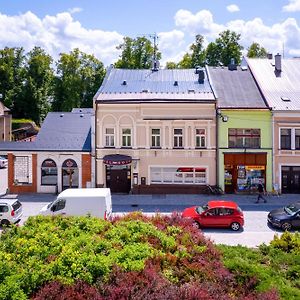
(126, 147)
(155, 147)
(109, 147)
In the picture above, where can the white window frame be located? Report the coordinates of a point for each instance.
(156, 138)
(109, 138)
(163, 176)
(127, 136)
(200, 136)
(177, 139)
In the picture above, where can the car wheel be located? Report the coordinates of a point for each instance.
(196, 225)
(286, 226)
(5, 223)
(235, 226)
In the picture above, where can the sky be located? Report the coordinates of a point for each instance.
(98, 26)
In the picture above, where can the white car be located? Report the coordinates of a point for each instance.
(3, 162)
(10, 211)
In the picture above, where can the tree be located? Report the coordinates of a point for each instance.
(196, 57)
(256, 51)
(12, 76)
(212, 54)
(136, 54)
(79, 76)
(225, 48)
(171, 65)
(38, 85)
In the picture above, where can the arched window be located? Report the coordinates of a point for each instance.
(70, 175)
(49, 172)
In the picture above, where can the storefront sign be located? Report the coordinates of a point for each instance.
(255, 167)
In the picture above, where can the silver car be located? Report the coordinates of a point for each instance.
(10, 211)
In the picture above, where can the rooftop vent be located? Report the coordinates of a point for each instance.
(232, 66)
(61, 115)
(244, 68)
(191, 91)
(278, 62)
(269, 56)
(81, 115)
(175, 83)
(145, 91)
(124, 82)
(285, 99)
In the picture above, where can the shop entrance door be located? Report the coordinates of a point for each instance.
(118, 179)
(290, 179)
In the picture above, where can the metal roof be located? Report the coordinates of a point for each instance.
(236, 88)
(70, 132)
(147, 85)
(281, 90)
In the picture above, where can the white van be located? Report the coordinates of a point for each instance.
(81, 202)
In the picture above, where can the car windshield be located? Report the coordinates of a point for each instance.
(291, 209)
(16, 205)
(201, 209)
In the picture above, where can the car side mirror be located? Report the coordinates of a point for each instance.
(53, 208)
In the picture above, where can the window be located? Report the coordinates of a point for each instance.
(297, 139)
(23, 170)
(3, 208)
(155, 138)
(200, 138)
(48, 172)
(126, 137)
(59, 205)
(178, 138)
(178, 175)
(109, 137)
(285, 138)
(243, 138)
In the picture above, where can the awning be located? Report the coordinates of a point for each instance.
(117, 159)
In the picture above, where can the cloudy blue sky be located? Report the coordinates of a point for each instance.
(97, 26)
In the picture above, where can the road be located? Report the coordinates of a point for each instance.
(254, 233)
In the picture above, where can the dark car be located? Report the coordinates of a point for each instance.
(216, 214)
(286, 218)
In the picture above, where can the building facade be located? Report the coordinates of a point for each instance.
(5, 123)
(155, 131)
(244, 131)
(279, 81)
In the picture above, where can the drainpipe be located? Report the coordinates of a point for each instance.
(95, 132)
(273, 154)
(217, 149)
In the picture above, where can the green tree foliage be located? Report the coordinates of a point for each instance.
(196, 57)
(171, 65)
(38, 85)
(79, 76)
(256, 51)
(224, 49)
(12, 76)
(136, 54)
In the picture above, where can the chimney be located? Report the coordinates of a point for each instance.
(269, 56)
(278, 62)
(201, 74)
(232, 66)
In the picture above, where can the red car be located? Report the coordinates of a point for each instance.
(216, 214)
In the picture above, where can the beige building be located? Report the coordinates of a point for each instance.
(279, 81)
(5, 123)
(155, 131)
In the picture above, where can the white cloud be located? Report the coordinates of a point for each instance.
(233, 8)
(75, 10)
(273, 37)
(57, 34)
(294, 5)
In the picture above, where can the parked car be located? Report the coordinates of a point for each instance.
(10, 211)
(3, 162)
(286, 218)
(216, 214)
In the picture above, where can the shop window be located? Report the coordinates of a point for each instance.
(22, 170)
(200, 138)
(109, 137)
(155, 138)
(126, 137)
(285, 138)
(178, 175)
(178, 138)
(297, 139)
(243, 138)
(48, 172)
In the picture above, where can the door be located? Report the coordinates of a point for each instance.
(70, 174)
(290, 179)
(119, 181)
